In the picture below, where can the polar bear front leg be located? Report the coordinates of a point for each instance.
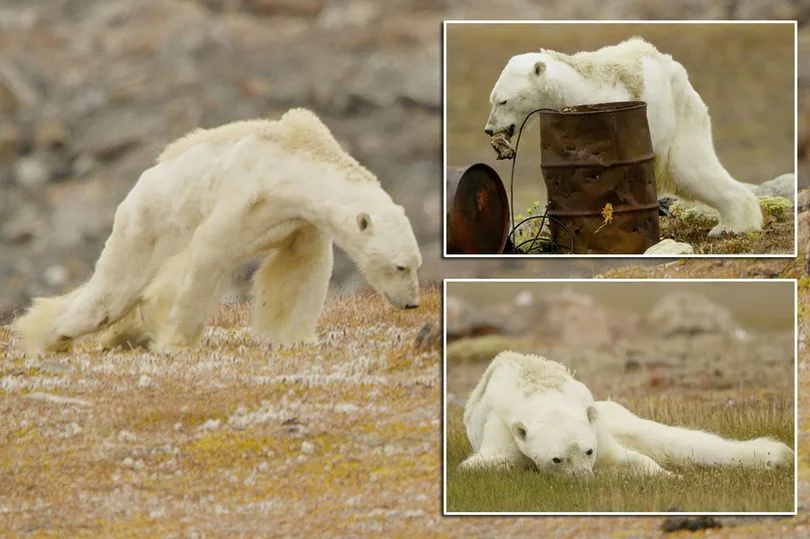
(498, 449)
(207, 262)
(289, 290)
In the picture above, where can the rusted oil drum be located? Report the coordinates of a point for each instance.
(592, 156)
(477, 210)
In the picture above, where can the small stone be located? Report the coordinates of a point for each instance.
(670, 247)
(31, 172)
(307, 448)
(56, 276)
(211, 424)
(145, 381)
(126, 436)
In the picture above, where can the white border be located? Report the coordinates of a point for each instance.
(793, 23)
(607, 282)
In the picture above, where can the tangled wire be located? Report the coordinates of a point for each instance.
(545, 243)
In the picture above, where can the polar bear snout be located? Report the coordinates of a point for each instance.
(509, 131)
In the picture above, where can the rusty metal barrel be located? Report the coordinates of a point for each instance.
(477, 210)
(597, 163)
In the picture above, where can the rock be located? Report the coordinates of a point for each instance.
(686, 313)
(484, 348)
(803, 202)
(673, 524)
(51, 134)
(31, 172)
(24, 225)
(429, 336)
(10, 143)
(56, 276)
(670, 247)
(781, 186)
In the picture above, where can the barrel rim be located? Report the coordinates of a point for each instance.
(595, 108)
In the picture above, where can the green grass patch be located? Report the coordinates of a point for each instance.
(699, 489)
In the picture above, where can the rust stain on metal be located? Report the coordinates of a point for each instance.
(599, 155)
(477, 211)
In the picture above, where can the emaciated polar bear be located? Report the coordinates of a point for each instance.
(685, 161)
(216, 197)
(527, 410)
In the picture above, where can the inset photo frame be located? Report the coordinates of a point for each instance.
(605, 397)
(657, 139)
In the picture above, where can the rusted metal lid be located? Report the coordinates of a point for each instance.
(477, 210)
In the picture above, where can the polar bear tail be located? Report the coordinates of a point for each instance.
(35, 329)
(683, 447)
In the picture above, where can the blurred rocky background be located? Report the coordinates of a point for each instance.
(629, 339)
(90, 90)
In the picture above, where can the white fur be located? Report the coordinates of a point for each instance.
(678, 446)
(680, 128)
(524, 393)
(216, 197)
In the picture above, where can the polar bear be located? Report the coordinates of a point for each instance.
(281, 188)
(529, 411)
(680, 128)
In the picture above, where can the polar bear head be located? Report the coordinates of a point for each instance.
(523, 86)
(386, 252)
(559, 441)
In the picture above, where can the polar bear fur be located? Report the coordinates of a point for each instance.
(685, 161)
(284, 189)
(528, 410)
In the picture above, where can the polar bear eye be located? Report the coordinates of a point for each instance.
(556, 460)
(402, 268)
(589, 452)
(502, 102)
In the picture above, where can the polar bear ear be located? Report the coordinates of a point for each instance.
(592, 414)
(519, 430)
(364, 222)
(539, 68)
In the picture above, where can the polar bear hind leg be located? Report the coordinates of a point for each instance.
(289, 289)
(696, 173)
(683, 447)
(120, 273)
(141, 324)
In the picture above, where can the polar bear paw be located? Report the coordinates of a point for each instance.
(481, 462)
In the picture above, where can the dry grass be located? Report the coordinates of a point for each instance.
(700, 489)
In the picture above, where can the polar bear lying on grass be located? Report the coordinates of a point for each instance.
(528, 411)
(283, 188)
(685, 161)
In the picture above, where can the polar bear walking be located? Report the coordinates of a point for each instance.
(685, 161)
(527, 410)
(284, 189)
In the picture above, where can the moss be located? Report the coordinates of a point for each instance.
(776, 209)
(486, 347)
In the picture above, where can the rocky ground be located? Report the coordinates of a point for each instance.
(90, 91)
(685, 343)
